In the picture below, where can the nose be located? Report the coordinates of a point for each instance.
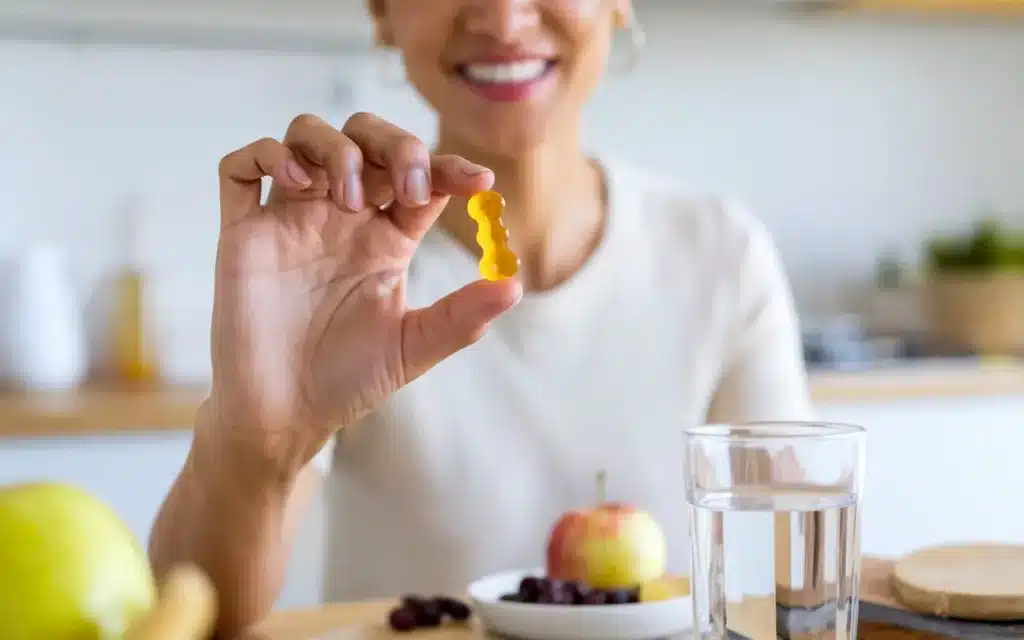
(502, 20)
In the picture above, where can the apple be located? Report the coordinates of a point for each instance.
(609, 546)
(69, 568)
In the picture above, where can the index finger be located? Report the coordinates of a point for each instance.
(241, 175)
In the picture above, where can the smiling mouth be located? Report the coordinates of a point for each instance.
(499, 73)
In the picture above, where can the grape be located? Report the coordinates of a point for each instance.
(563, 593)
(402, 619)
(416, 612)
(575, 592)
(412, 602)
(531, 588)
(452, 608)
(429, 615)
(543, 590)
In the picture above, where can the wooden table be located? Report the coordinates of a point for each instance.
(754, 618)
(367, 621)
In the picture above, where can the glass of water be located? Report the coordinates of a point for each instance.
(775, 529)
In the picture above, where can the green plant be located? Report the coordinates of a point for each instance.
(989, 248)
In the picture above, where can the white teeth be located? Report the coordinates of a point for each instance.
(523, 71)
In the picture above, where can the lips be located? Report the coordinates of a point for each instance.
(506, 72)
(507, 80)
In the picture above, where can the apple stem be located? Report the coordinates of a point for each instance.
(602, 486)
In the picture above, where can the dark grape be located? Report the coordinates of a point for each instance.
(429, 615)
(576, 592)
(530, 588)
(453, 608)
(402, 619)
(634, 596)
(554, 592)
(512, 597)
(413, 602)
(617, 596)
(567, 592)
(595, 598)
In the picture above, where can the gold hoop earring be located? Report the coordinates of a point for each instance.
(390, 67)
(637, 39)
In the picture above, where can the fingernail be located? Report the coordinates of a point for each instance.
(297, 173)
(354, 192)
(417, 187)
(471, 169)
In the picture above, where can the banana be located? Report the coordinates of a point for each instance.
(186, 609)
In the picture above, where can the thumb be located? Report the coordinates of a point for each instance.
(454, 322)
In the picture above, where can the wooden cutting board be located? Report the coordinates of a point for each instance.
(972, 582)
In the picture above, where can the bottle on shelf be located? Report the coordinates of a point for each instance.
(134, 359)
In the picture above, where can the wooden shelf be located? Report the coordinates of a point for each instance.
(980, 7)
(101, 411)
(97, 411)
(304, 26)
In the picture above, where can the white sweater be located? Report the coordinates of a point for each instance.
(682, 316)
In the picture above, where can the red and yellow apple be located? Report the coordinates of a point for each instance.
(610, 546)
(69, 568)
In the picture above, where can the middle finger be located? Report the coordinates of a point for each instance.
(404, 156)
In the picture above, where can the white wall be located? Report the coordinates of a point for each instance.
(846, 135)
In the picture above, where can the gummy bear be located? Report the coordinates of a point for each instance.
(498, 260)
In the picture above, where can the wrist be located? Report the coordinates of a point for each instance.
(224, 456)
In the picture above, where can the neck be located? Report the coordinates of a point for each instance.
(554, 208)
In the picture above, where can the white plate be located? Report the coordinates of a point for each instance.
(645, 621)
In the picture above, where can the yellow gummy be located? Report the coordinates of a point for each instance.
(498, 261)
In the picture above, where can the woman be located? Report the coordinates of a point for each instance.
(645, 310)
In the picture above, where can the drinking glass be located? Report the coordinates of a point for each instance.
(774, 529)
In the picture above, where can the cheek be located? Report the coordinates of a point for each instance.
(585, 26)
(580, 9)
(422, 59)
(579, 17)
(588, 63)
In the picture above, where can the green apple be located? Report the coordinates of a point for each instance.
(69, 568)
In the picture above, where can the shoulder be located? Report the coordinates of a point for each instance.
(717, 229)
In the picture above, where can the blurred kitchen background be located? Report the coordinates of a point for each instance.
(883, 147)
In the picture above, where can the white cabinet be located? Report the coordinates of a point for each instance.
(132, 473)
(311, 25)
(940, 470)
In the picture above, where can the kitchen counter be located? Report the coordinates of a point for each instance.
(98, 410)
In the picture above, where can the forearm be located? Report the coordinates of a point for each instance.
(237, 526)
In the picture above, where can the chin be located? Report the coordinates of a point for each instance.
(510, 140)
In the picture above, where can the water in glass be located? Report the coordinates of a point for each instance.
(792, 546)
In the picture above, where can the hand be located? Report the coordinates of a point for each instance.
(310, 326)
